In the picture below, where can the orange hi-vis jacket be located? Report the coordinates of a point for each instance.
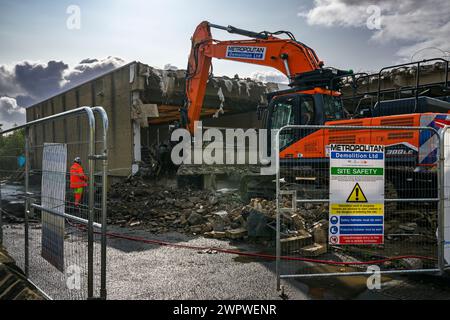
(77, 177)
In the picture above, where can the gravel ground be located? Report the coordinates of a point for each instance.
(145, 271)
(141, 271)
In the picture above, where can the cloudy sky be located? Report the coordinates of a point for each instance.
(45, 50)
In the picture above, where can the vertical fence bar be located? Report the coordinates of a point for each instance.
(278, 221)
(441, 207)
(1, 216)
(27, 202)
(104, 116)
(91, 161)
(417, 87)
(446, 74)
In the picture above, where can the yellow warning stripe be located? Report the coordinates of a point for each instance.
(349, 209)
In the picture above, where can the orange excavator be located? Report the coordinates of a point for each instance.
(314, 99)
(289, 56)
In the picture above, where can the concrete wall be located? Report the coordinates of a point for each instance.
(111, 91)
(121, 92)
(160, 133)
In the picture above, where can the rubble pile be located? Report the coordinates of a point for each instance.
(304, 231)
(217, 214)
(159, 209)
(221, 214)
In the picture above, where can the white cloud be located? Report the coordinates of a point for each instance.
(28, 82)
(170, 67)
(8, 84)
(413, 24)
(88, 69)
(269, 76)
(32, 81)
(10, 112)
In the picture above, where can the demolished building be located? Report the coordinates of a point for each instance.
(141, 103)
(396, 82)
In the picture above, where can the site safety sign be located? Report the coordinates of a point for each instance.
(356, 213)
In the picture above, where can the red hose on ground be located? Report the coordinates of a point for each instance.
(259, 255)
(256, 255)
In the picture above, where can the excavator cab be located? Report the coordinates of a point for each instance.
(301, 109)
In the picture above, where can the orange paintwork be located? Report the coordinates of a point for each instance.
(313, 145)
(300, 59)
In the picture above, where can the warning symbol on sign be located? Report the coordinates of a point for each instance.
(357, 195)
(334, 239)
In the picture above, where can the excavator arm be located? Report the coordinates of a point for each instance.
(288, 56)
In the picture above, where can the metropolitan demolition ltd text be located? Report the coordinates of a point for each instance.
(356, 147)
(349, 151)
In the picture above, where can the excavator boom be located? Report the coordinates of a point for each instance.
(288, 56)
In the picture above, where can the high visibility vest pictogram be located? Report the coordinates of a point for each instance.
(357, 195)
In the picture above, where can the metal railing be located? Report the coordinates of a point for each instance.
(413, 210)
(364, 81)
(84, 249)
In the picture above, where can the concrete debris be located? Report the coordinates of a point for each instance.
(298, 221)
(320, 232)
(408, 227)
(195, 219)
(215, 234)
(141, 203)
(208, 251)
(221, 214)
(134, 224)
(313, 250)
(167, 87)
(236, 233)
(144, 204)
(413, 263)
(258, 224)
(294, 244)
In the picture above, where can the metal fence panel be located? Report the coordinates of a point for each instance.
(445, 141)
(12, 197)
(82, 274)
(411, 209)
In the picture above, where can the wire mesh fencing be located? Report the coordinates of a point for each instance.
(445, 204)
(12, 196)
(343, 210)
(58, 180)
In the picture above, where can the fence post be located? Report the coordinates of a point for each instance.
(441, 213)
(1, 216)
(27, 202)
(91, 161)
(278, 220)
(104, 116)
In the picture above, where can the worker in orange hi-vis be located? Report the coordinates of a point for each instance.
(78, 180)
